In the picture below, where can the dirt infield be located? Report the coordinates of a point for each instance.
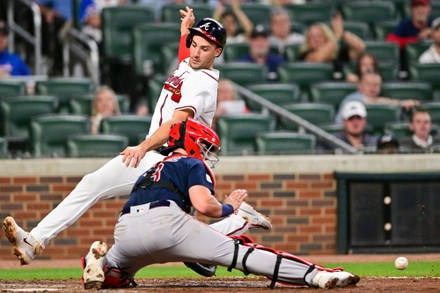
(245, 284)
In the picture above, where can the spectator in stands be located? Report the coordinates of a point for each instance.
(325, 44)
(90, 16)
(232, 19)
(10, 63)
(369, 87)
(366, 62)
(228, 101)
(57, 16)
(413, 29)
(281, 35)
(354, 119)
(141, 108)
(281, 3)
(421, 126)
(105, 105)
(259, 52)
(387, 144)
(432, 55)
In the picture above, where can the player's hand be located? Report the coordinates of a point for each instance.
(133, 155)
(409, 104)
(187, 17)
(235, 198)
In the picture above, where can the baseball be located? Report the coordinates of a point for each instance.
(401, 263)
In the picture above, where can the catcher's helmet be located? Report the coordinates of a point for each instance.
(210, 29)
(198, 139)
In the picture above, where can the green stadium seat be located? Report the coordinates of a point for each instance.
(169, 55)
(244, 73)
(378, 115)
(400, 6)
(388, 70)
(408, 90)
(82, 105)
(257, 13)
(11, 88)
(427, 73)
(279, 94)
(170, 12)
(315, 113)
(291, 52)
(234, 51)
(64, 89)
(332, 128)
(413, 51)
(435, 9)
(331, 92)
(383, 28)
(304, 74)
(311, 12)
(238, 132)
(369, 11)
(434, 111)
(154, 89)
(397, 129)
(49, 133)
(92, 146)
(132, 126)
(285, 143)
(383, 51)
(360, 29)
(3, 147)
(148, 41)
(118, 23)
(16, 114)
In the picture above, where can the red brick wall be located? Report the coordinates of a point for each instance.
(302, 208)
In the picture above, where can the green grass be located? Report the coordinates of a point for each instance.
(378, 269)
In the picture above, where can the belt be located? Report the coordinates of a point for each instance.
(153, 204)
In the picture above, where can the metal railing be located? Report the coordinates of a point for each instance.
(35, 39)
(85, 49)
(296, 119)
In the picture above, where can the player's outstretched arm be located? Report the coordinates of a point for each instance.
(208, 205)
(133, 155)
(188, 19)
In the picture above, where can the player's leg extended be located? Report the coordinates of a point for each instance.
(110, 180)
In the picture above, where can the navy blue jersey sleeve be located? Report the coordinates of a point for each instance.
(199, 175)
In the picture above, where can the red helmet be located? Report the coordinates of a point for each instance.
(198, 139)
(210, 29)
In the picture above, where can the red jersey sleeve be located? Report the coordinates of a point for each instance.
(183, 50)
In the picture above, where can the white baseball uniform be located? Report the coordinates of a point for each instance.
(186, 88)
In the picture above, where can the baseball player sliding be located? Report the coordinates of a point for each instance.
(154, 226)
(190, 92)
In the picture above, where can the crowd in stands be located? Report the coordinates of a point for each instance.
(273, 42)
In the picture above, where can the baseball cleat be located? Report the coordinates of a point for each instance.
(93, 275)
(202, 269)
(26, 247)
(254, 218)
(328, 280)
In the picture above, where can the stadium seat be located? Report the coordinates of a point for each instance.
(359, 28)
(118, 23)
(383, 51)
(170, 12)
(397, 129)
(244, 73)
(3, 147)
(378, 115)
(257, 13)
(284, 143)
(154, 88)
(49, 133)
(331, 92)
(388, 70)
(11, 88)
(315, 113)
(426, 73)
(435, 9)
(291, 52)
(434, 111)
(369, 11)
(383, 28)
(304, 74)
(16, 114)
(413, 51)
(311, 12)
(332, 128)
(64, 89)
(234, 51)
(129, 125)
(407, 90)
(100, 145)
(238, 132)
(82, 105)
(169, 55)
(279, 94)
(148, 40)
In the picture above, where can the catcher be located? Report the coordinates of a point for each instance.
(155, 227)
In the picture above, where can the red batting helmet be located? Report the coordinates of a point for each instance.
(198, 139)
(210, 29)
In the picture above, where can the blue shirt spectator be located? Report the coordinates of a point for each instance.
(61, 7)
(10, 63)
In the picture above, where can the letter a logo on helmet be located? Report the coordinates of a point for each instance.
(210, 29)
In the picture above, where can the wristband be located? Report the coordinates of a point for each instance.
(227, 209)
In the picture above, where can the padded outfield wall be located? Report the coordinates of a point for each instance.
(299, 193)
